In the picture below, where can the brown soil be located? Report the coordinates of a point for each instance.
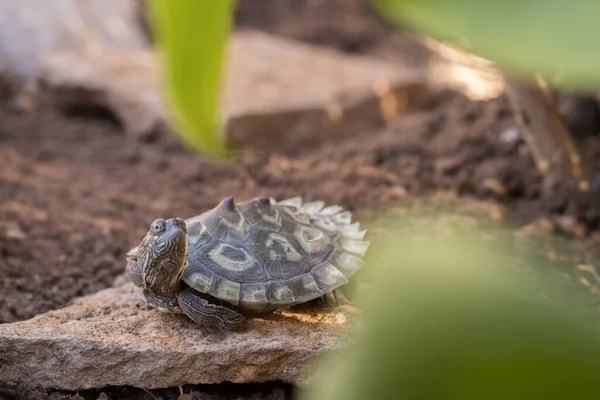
(76, 193)
(352, 26)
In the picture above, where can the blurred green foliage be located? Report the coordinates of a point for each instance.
(192, 37)
(554, 38)
(460, 316)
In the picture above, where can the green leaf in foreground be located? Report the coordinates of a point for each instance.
(192, 37)
(454, 319)
(555, 38)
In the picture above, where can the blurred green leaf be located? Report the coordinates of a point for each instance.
(555, 38)
(192, 37)
(451, 316)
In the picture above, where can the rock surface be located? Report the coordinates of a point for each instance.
(113, 338)
(124, 82)
(279, 94)
(286, 95)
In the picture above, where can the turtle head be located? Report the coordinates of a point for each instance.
(161, 256)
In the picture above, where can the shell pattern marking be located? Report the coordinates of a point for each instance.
(262, 255)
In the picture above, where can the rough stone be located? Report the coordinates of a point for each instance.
(112, 338)
(278, 94)
(286, 95)
(123, 82)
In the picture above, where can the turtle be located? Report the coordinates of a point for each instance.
(240, 260)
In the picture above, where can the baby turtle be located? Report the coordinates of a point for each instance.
(237, 260)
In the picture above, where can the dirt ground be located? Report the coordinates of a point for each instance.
(76, 193)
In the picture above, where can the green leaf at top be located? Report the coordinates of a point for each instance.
(192, 37)
(555, 38)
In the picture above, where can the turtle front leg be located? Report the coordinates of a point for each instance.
(161, 303)
(206, 312)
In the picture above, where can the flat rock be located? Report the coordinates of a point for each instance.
(113, 338)
(124, 82)
(279, 93)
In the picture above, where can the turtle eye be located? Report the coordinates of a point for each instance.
(157, 226)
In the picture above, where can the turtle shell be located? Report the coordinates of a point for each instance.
(262, 255)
